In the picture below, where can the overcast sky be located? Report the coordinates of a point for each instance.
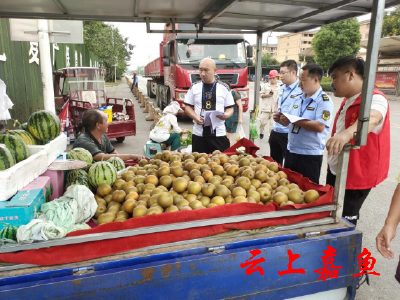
(147, 44)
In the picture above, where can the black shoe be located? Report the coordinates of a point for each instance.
(261, 135)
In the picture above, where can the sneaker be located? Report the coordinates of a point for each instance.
(261, 135)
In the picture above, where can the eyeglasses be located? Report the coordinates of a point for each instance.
(334, 78)
(283, 73)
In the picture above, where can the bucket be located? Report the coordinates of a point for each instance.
(108, 111)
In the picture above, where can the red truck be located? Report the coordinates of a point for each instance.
(172, 74)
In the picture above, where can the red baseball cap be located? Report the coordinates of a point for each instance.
(273, 73)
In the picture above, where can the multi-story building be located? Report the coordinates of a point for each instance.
(267, 48)
(290, 45)
(364, 29)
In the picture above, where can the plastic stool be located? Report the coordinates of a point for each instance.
(152, 148)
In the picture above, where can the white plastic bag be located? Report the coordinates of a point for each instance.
(240, 133)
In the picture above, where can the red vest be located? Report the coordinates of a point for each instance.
(369, 165)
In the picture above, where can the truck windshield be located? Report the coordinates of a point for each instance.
(229, 52)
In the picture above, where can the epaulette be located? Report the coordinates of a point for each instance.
(325, 97)
(294, 96)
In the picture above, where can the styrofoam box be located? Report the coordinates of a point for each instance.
(21, 174)
(53, 149)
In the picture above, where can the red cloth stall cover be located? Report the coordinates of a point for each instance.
(90, 250)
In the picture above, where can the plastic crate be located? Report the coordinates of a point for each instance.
(53, 149)
(15, 178)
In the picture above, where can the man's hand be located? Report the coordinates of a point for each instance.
(138, 157)
(383, 240)
(283, 120)
(336, 143)
(276, 117)
(222, 117)
(240, 121)
(268, 95)
(199, 120)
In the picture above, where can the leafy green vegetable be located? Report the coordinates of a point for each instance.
(188, 140)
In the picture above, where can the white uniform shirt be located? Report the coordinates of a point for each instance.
(379, 103)
(194, 98)
(267, 104)
(167, 124)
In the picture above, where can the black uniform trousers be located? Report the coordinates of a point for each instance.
(278, 145)
(307, 165)
(353, 200)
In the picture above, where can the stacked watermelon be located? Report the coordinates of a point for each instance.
(102, 172)
(16, 146)
(24, 135)
(117, 162)
(77, 177)
(7, 160)
(44, 126)
(82, 155)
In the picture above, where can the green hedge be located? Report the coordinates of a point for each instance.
(326, 84)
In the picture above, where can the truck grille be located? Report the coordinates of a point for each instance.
(230, 78)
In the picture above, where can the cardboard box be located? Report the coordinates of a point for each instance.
(57, 181)
(22, 208)
(42, 182)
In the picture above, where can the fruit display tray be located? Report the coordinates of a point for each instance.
(53, 149)
(21, 174)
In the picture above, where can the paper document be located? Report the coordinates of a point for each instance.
(293, 119)
(210, 118)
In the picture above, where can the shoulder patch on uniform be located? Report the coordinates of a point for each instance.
(224, 84)
(326, 115)
(325, 97)
(295, 106)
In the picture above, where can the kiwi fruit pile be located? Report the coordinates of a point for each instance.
(174, 181)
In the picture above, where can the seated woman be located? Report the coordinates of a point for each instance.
(167, 130)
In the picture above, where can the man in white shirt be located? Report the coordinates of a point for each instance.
(208, 95)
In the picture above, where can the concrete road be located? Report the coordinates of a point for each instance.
(373, 213)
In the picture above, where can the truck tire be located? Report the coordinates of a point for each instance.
(158, 95)
(120, 139)
(165, 98)
(148, 86)
(149, 91)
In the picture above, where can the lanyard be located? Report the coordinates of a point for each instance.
(302, 112)
(291, 90)
(204, 93)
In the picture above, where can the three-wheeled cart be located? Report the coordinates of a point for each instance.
(85, 89)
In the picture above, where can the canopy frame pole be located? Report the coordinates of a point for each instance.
(258, 77)
(375, 30)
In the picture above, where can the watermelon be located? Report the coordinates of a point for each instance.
(24, 126)
(82, 155)
(117, 162)
(77, 177)
(102, 172)
(9, 232)
(24, 135)
(16, 146)
(44, 125)
(7, 160)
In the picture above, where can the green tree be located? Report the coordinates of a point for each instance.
(391, 23)
(307, 59)
(336, 40)
(267, 60)
(109, 45)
